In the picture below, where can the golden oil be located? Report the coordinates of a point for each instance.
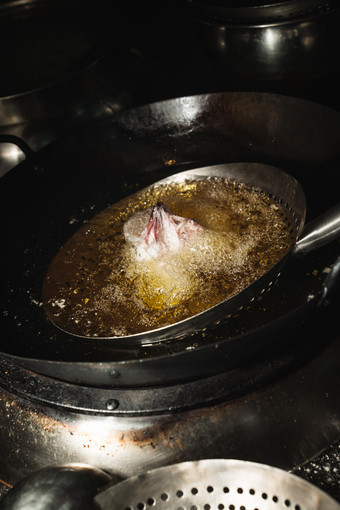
(95, 286)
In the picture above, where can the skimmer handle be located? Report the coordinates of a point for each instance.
(320, 231)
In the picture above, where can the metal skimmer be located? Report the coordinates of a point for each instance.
(215, 484)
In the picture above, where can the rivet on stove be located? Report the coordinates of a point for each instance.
(32, 384)
(112, 404)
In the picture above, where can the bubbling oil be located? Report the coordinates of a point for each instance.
(97, 286)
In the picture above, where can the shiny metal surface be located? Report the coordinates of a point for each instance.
(39, 133)
(10, 156)
(214, 483)
(294, 47)
(282, 424)
(70, 487)
(320, 231)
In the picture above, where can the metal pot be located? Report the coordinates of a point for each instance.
(61, 52)
(57, 69)
(292, 40)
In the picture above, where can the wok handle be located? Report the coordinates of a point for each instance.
(26, 149)
(321, 231)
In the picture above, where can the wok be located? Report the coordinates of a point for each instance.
(47, 197)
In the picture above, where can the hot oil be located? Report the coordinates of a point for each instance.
(96, 286)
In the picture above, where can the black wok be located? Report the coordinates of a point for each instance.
(46, 198)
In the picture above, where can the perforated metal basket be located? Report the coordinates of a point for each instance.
(215, 484)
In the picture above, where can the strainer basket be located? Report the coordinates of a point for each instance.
(215, 484)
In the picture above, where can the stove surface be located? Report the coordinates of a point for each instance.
(162, 67)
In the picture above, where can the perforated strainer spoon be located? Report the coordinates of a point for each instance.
(281, 186)
(220, 484)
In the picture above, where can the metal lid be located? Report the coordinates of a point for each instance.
(256, 11)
